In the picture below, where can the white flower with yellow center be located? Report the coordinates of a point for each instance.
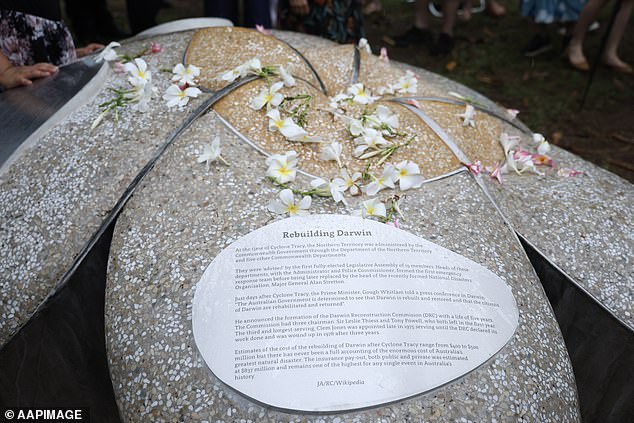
(269, 96)
(543, 147)
(282, 167)
(185, 75)
(287, 204)
(407, 84)
(360, 94)
(372, 208)
(139, 75)
(286, 126)
(141, 97)
(349, 182)
(387, 180)
(408, 175)
(174, 96)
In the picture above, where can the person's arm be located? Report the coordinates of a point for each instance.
(299, 7)
(15, 76)
(90, 48)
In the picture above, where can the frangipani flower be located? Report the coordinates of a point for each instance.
(512, 113)
(360, 95)
(387, 180)
(372, 139)
(175, 96)
(332, 189)
(141, 97)
(474, 168)
(211, 153)
(155, 48)
(287, 78)
(286, 126)
(384, 120)
(287, 204)
(365, 45)
(543, 147)
(495, 172)
(185, 75)
(372, 207)
(567, 172)
(262, 30)
(408, 175)
(108, 54)
(349, 182)
(282, 167)
(509, 142)
(139, 75)
(250, 66)
(383, 55)
(519, 162)
(407, 84)
(334, 101)
(268, 97)
(468, 116)
(332, 152)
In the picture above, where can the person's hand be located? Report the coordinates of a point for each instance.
(299, 7)
(90, 48)
(15, 76)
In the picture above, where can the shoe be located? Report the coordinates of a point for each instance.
(537, 45)
(443, 45)
(414, 36)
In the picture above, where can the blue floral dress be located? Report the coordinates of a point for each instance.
(551, 11)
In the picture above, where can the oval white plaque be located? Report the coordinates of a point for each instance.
(332, 313)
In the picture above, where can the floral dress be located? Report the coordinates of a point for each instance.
(337, 20)
(27, 39)
(551, 11)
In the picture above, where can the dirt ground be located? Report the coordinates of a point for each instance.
(487, 58)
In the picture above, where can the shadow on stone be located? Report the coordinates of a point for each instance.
(58, 358)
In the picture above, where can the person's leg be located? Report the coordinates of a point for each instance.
(611, 54)
(421, 14)
(445, 41)
(419, 33)
(142, 14)
(449, 12)
(575, 49)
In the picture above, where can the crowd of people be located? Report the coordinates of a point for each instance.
(34, 39)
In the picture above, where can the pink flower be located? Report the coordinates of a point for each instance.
(414, 103)
(263, 30)
(155, 48)
(474, 168)
(495, 172)
(512, 113)
(567, 172)
(393, 223)
(383, 55)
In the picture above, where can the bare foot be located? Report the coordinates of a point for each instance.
(495, 9)
(577, 59)
(617, 64)
(465, 14)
